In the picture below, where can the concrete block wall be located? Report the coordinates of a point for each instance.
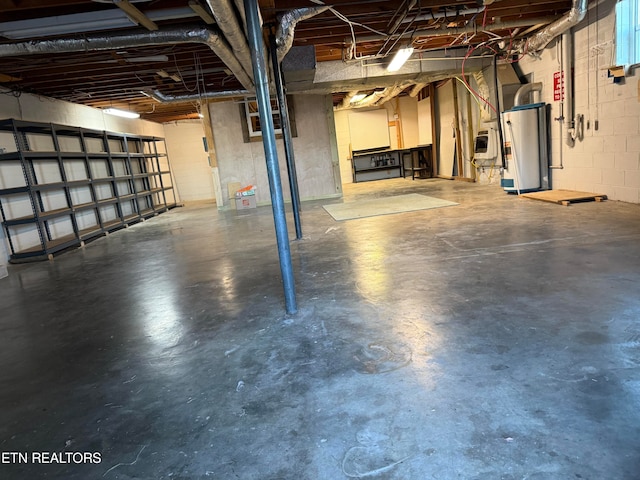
(245, 162)
(607, 159)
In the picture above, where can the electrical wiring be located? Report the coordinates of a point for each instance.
(470, 91)
(476, 94)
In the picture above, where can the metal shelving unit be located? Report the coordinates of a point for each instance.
(61, 186)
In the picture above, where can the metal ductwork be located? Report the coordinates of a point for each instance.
(541, 39)
(205, 35)
(444, 14)
(193, 97)
(227, 20)
(369, 100)
(417, 88)
(288, 22)
(376, 98)
(524, 91)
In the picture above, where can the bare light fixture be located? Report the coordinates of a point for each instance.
(400, 58)
(121, 113)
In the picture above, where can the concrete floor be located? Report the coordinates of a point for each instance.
(497, 339)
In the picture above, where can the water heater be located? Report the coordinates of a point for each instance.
(525, 148)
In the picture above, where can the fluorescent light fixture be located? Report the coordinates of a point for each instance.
(162, 73)
(175, 77)
(357, 97)
(399, 59)
(121, 113)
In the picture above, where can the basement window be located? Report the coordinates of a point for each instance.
(627, 32)
(251, 127)
(253, 118)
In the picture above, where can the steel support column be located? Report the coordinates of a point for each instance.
(286, 135)
(256, 45)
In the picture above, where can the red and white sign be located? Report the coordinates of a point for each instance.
(558, 86)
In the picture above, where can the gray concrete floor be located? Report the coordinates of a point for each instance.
(496, 339)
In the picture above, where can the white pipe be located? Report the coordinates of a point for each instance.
(569, 112)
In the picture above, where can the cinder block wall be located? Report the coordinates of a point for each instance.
(607, 159)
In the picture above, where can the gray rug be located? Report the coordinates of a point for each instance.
(384, 206)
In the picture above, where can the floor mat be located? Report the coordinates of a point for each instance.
(384, 206)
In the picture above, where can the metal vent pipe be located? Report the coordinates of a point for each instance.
(524, 91)
(541, 39)
(206, 35)
(287, 26)
(227, 20)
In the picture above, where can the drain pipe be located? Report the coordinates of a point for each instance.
(567, 70)
(205, 35)
(524, 91)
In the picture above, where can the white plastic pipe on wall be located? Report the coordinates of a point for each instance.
(568, 101)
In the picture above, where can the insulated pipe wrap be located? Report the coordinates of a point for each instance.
(288, 22)
(544, 36)
(206, 35)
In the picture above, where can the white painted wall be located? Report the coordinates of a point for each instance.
(245, 162)
(607, 160)
(446, 140)
(406, 108)
(189, 161)
(41, 109)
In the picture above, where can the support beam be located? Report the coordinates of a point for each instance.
(286, 135)
(211, 147)
(256, 46)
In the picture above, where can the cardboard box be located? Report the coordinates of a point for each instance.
(245, 201)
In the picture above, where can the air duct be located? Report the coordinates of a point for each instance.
(193, 97)
(543, 37)
(288, 22)
(205, 35)
(227, 20)
(524, 91)
(378, 97)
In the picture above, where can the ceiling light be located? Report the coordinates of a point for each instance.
(202, 12)
(162, 73)
(121, 113)
(400, 58)
(150, 58)
(357, 97)
(175, 77)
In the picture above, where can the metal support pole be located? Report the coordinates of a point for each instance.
(256, 46)
(286, 135)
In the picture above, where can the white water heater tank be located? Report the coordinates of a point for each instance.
(525, 147)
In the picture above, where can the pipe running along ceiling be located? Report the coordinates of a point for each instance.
(163, 57)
